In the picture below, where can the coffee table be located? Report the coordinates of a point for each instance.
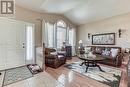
(90, 61)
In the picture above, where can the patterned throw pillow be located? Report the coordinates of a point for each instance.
(114, 52)
(106, 53)
(87, 49)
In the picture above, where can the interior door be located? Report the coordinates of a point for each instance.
(12, 37)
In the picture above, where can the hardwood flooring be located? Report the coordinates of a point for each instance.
(63, 77)
(124, 68)
(72, 79)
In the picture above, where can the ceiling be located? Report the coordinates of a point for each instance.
(79, 11)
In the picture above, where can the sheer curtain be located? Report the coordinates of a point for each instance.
(72, 40)
(49, 34)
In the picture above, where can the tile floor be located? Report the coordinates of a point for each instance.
(39, 80)
(1, 78)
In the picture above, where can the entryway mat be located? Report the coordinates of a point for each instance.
(16, 74)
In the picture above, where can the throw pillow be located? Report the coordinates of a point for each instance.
(87, 49)
(91, 55)
(106, 53)
(114, 52)
(98, 50)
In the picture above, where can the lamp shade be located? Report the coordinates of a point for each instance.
(80, 41)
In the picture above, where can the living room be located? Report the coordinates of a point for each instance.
(64, 43)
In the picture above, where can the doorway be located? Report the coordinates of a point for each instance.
(16, 43)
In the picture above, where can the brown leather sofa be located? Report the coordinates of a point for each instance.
(53, 59)
(108, 59)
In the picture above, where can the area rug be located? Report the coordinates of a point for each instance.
(16, 74)
(110, 77)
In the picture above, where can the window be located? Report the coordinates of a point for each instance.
(30, 44)
(55, 34)
(61, 24)
(71, 36)
(61, 33)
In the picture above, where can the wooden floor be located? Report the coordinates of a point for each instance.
(124, 68)
(72, 79)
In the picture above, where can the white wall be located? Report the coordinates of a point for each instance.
(32, 16)
(110, 25)
(35, 17)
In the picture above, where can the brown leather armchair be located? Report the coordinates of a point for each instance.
(53, 59)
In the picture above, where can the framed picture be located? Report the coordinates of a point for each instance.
(103, 39)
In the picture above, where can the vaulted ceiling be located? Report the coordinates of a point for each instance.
(79, 11)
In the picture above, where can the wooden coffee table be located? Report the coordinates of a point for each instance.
(90, 62)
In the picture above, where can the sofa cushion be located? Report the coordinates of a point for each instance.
(61, 57)
(105, 58)
(53, 53)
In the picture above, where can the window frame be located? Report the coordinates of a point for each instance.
(62, 28)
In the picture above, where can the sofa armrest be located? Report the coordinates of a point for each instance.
(61, 53)
(51, 56)
(119, 59)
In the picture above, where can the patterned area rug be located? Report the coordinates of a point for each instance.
(16, 74)
(110, 77)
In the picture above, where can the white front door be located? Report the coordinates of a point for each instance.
(15, 45)
(12, 41)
